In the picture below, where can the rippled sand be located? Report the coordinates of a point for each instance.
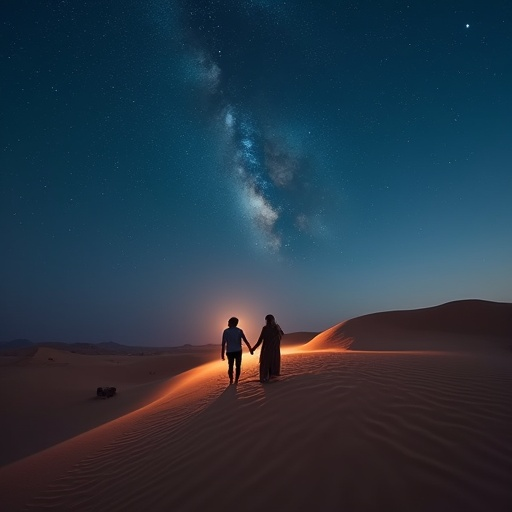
(357, 430)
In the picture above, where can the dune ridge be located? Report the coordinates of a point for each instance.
(468, 324)
(419, 428)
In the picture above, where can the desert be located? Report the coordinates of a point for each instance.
(400, 411)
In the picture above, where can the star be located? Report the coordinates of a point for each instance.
(467, 25)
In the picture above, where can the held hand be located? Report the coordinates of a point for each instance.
(222, 357)
(251, 351)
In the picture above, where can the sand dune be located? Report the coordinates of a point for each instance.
(371, 428)
(52, 393)
(460, 325)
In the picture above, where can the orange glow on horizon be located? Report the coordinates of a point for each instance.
(248, 322)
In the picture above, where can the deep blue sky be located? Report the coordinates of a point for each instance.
(166, 165)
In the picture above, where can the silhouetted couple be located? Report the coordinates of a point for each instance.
(270, 341)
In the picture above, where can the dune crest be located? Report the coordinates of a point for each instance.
(460, 325)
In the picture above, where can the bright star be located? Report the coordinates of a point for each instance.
(467, 25)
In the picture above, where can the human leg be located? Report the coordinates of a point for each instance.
(231, 360)
(238, 365)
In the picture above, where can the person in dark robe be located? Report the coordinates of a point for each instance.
(270, 356)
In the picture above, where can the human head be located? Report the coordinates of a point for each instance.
(270, 319)
(233, 321)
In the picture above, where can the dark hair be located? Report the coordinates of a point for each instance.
(270, 319)
(233, 321)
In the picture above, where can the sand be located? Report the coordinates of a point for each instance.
(377, 413)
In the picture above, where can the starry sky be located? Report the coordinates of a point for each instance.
(166, 164)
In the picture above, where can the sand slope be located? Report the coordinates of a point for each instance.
(359, 430)
(466, 325)
(50, 395)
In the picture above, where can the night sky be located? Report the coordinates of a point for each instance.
(167, 164)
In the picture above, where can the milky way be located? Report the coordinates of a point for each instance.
(166, 164)
(276, 186)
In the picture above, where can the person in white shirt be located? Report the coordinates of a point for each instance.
(232, 345)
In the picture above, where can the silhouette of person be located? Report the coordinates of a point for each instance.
(270, 356)
(232, 344)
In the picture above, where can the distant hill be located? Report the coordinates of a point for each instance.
(20, 347)
(112, 348)
(15, 344)
(112, 345)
